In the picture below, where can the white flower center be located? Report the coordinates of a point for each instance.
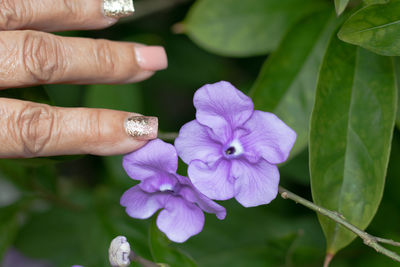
(234, 149)
(166, 187)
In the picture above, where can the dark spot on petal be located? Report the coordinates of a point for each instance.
(231, 150)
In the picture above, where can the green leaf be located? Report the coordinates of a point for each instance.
(350, 137)
(375, 27)
(66, 237)
(125, 97)
(373, 2)
(42, 161)
(65, 95)
(82, 234)
(287, 81)
(397, 67)
(340, 6)
(116, 221)
(258, 237)
(115, 173)
(15, 172)
(296, 169)
(163, 251)
(9, 225)
(398, 111)
(35, 94)
(245, 28)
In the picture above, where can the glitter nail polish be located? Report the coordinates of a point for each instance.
(141, 126)
(118, 8)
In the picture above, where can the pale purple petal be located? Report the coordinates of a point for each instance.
(267, 137)
(160, 182)
(213, 181)
(191, 194)
(256, 184)
(222, 107)
(194, 142)
(180, 219)
(154, 157)
(142, 205)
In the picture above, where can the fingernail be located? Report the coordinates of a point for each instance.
(151, 58)
(141, 127)
(118, 8)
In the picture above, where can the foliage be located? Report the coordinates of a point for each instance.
(333, 79)
(351, 132)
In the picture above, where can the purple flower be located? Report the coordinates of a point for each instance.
(182, 205)
(232, 150)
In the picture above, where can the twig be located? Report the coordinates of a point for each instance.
(167, 136)
(142, 261)
(144, 8)
(368, 239)
(388, 241)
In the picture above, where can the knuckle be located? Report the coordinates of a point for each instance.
(35, 127)
(71, 9)
(93, 124)
(105, 57)
(8, 57)
(12, 16)
(41, 57)
(93, 132)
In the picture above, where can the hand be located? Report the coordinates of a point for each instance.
(31, 57)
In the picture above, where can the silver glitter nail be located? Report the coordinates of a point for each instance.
(118, 8)
(141, 126)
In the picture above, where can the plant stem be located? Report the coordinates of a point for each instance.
(145, 8)
(368, 239)
(142, 261)
(388, 241)
(167, 136)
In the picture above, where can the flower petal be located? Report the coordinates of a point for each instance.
(268, 137)
(141, 205)
(191, 194)
(161, 182)
(256, 183)
(215, 181)
(154, 157)
(222, 107)
(194, 142)
(180, 219)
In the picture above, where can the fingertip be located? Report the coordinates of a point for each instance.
(109, 21)
(137, 130)
(141, 127)
(118, 8)
(151, 58)
(140, 76)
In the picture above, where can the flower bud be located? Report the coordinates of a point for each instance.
(119, 252)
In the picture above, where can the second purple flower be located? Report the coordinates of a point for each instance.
(161, 188)
(231, 149)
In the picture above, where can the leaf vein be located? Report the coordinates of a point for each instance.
(379, 26)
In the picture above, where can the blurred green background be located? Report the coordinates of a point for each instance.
(66, 209)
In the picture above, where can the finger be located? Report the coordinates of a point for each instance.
(31, 58)
(58, 15)
(29, 129)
